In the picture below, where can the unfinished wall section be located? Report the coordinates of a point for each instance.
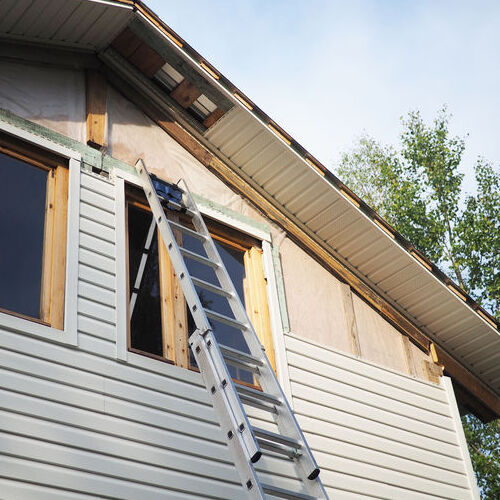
(52, 97)
(316, 299)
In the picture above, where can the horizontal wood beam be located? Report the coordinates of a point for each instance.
(467, 380)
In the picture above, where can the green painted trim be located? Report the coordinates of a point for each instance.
(204, 202)
(280, 288)
(90, 156)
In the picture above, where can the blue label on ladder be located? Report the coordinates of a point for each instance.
(166, 190)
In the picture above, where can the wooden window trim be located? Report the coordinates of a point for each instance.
(173, 310)
(52, 293)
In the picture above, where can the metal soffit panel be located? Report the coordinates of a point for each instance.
(86, 24)
(387, 266)
(286, 171)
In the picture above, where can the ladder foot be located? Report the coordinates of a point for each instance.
(314, 474)
(256, 457)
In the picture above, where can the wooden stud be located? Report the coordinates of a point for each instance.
(96, 109)
(213, 117)
(59, 250)
(185, 93)
(350, 318)
(408, 355)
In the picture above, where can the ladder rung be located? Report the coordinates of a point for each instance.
(187, 230)
(242, 356)
(254, 393)
(211, 288)
(173, 205)
(262, 434)
(198, 258)
(281, 449)
(226, 319)
(257, 403)
(282, 493)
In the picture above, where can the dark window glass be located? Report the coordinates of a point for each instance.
(145, 323)
(22, 219)
(233, 260)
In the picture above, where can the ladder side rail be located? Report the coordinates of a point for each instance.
(204, 347)
(225, 281)
(234, 406)
(288, 426)
(142, 266)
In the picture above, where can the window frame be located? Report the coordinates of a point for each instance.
(274, 341)
(174, 324)
(60, 263)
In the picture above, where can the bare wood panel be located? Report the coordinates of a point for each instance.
(174, 317)
(147, 60)
(350, 319)
(96, 108)
(126, 43)
(213, 117)
(256, 299)
(185, 93)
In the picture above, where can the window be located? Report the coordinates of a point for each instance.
(33, 212)
(160, 323)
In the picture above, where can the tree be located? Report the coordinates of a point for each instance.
(417, 187)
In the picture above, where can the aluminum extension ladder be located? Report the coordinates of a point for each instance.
(229, 399)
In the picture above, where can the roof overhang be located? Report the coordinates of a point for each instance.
(285, 174)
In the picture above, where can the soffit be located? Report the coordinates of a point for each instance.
(85, 24)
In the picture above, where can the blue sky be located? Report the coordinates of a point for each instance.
(327, 71)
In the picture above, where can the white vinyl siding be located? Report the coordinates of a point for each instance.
(374, 432)
(77, 423)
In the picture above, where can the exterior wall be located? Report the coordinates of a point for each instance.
(375, 432)
(76, 417)
(55, 98)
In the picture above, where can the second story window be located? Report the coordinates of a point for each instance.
(159, 321)
(33, 211)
